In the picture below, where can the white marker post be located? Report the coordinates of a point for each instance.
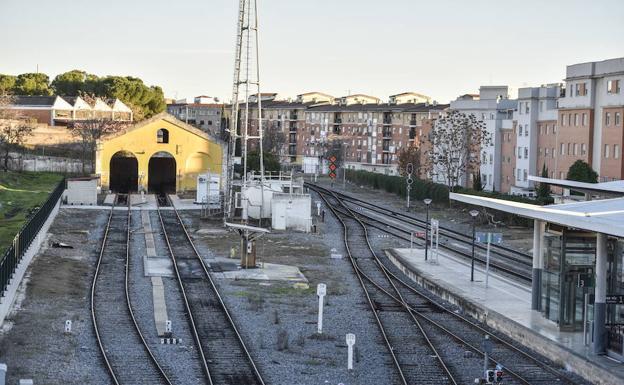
(350, 343)
(321, 290)
(68, 324)
(487, 259)
(168, 326)
(318, 208)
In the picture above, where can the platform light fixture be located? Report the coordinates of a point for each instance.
(427, 204)
(473, 214)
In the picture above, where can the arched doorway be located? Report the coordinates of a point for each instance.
(124, 172)
(161, 178)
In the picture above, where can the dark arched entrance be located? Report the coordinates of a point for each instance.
(162, 173)
(124, 172)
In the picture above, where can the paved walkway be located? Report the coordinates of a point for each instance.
(503, 299)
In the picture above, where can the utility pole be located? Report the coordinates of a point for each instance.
(246, 83)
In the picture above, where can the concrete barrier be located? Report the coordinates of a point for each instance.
(9, 295)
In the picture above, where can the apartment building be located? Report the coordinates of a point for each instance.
(370, 133)
(62, 110)
(493, 107)
(590, 118)
(203, 112)
(535, 126)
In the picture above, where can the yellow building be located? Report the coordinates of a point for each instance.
(161, 154)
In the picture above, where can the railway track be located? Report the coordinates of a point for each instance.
(447, 333)
(225, 358)
(504, 259)
(124, 349)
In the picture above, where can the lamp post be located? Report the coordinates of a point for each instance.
(473, 214)
(427, 203)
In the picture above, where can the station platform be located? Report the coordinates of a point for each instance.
(505, 305)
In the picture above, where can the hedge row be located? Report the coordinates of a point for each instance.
(422, 189)
(396, 185)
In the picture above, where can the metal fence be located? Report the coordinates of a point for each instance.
(24, 238)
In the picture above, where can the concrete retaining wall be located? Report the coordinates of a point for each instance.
(20, 162)
(572, 361)
(9, 295)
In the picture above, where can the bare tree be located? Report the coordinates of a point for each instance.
(455, 144)
(14, 130)
(409, 154)
(273, 140)
(89, 132)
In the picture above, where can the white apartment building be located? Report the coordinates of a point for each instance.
(535, 116)
(592, 111)
(493, 107)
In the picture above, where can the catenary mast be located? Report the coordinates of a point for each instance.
(246, 83)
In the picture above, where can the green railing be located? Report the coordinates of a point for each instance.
(24, 238)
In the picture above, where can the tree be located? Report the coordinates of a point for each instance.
(72, 83)
(271, 162)
(543, 189)
(409, 154)
(7, 84)
(13, 130)
(581, 171)
(32, 84)
(476, 181)
(454, 146)
(90, 132)
(273, 140)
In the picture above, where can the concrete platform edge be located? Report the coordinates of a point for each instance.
(6, 303)
(571, 360)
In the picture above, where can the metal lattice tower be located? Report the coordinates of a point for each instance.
(246, 84)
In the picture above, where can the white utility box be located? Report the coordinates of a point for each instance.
(208, 189)
(81, 191)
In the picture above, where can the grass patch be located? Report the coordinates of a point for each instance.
(21, 193)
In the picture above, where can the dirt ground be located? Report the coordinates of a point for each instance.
(56, 288)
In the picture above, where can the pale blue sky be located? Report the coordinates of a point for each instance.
(442, 48)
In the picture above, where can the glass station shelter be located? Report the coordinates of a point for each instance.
(578, 260)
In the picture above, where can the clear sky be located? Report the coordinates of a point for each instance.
(441, 48)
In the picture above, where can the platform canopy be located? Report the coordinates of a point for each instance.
(603, 216)
(613, 188)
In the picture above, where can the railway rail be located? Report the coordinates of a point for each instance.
(124, 349)
(225, 357)
(504, 259)
(448, 333)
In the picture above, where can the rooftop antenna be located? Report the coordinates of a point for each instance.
(246, 81)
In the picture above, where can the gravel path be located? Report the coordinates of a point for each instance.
(180, 361)
(279, 322)
(57, 289)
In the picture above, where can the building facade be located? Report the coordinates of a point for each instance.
(203, 112)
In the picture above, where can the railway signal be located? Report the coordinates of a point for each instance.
(489, 376)
(408, 170)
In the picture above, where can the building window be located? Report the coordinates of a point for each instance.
(613, 87)
(576, 120)
(162, 136)
(606, 151)
(526, 131)
(541, 104)
(575, 149)
(608, 119)
(617, 119)
(554, 129)
(546, 152)
(526, 153)
(518, 175)
(584, 119)
(616, 151)
(525, 175)
(583, 149)
(562, 119)
(553, 152)
(520, 131)
(562, 149)
(526, 107)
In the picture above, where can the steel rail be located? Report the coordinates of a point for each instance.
(109, 366)
(452, 234)
(191, 317)
(385, 225)
(463, 319)
(360, 273)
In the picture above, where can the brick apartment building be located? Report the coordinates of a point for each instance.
(203, 112)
